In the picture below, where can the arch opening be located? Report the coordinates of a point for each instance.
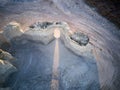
(57, 33)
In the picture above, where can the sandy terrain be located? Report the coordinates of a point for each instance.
(75, 72)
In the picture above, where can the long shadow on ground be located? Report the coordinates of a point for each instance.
(35, 62)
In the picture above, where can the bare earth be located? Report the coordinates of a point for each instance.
(36, 61)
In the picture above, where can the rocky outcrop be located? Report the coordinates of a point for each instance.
(7, 57)
(43, 32)
(12, 30)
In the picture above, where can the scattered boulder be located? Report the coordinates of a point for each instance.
(12, 30)
(6, 69)
(80, 38)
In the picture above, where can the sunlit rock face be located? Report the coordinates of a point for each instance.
(7, 57)
(97, 62)
(7, 67)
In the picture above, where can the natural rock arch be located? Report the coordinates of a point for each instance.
(43, 32)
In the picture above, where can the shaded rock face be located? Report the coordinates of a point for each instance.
(4, 43)
(80, 38)
(76, 42)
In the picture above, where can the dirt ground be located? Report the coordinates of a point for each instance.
(75, 72)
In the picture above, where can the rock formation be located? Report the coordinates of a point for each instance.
(7, 57)
(39, 32)
(12, 30)
(43, 32)
(81, 17)
(4, 43)
(6, 67)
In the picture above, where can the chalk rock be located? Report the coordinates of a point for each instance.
(12, 30)
(40, 32)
